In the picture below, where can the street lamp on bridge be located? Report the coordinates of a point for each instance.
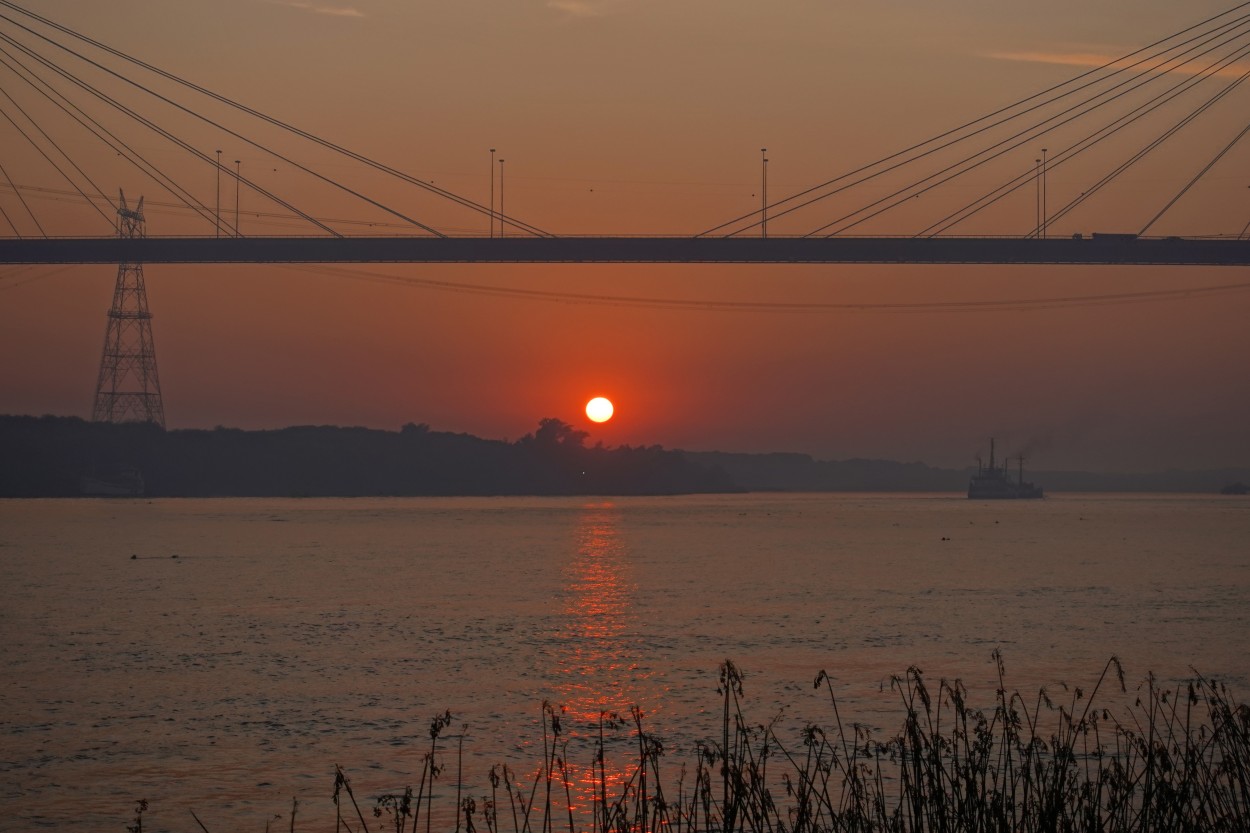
(763, 192)
(1045, 216)
(218, 218)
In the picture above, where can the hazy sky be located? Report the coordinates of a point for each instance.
(641, 116)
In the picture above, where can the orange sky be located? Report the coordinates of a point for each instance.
(647, 117)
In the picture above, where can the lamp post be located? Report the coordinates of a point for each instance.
(492, 192)
(763, 193)
(218, 193)
(1246, 228)
(502, 215)
(1037, 198)
(1045, 216)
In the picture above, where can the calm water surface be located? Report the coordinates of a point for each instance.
(288, 635)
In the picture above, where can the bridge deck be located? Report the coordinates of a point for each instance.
(1099, 249)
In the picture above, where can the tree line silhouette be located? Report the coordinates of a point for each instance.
(49, 456)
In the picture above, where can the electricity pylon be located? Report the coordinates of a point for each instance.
(129, 389)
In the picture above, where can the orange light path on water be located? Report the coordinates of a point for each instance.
(598, 680)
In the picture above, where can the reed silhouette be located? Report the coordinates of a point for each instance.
(1176, 759)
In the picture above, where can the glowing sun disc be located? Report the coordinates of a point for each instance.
(599, 409)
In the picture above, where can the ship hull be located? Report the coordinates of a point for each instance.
(999, 489)
(126, 484)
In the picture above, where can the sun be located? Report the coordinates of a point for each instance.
(599, 409)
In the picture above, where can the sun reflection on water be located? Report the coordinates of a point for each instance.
(598, 678)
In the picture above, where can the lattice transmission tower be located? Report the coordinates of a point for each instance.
(129, 389)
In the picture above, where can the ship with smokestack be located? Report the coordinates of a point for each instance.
(995, 482)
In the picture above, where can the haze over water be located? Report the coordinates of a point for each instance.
(290, 635)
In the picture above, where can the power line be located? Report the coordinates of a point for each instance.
(676, 304)
(4, 287)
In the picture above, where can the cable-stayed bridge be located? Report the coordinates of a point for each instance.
(1109, 249)
(1004, 188)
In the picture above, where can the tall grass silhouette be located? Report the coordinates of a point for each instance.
(1175, 759)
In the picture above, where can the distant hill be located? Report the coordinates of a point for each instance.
(48, 457)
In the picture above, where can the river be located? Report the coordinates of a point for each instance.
(221, 656)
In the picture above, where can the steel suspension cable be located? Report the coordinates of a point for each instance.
(233, 133)
(1030, 133)
(8, 220)
(121, 148)
(52, 162)
(1141, 154)
(1197, 177)
(148, 123)
(974, 122)
(150, 204)
(68, 158)
(1085, 143)
(379, 166)
(9, 180)
(1145, 73)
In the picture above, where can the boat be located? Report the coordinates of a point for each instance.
(994, 482)
(127, 483)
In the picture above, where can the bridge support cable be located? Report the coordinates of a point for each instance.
(1143, 76)
(1023, 137)
(1040, 129)
(1091, 140)
(103, 134)
(25, 205)
(1076, 149)
(1035, 131)
(325, 143)
(1147, 149)
(952, 137)
(156, 128)
(259, 146)
(184, 145)
(60, 150)
(9, 220)
(1197, 177)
